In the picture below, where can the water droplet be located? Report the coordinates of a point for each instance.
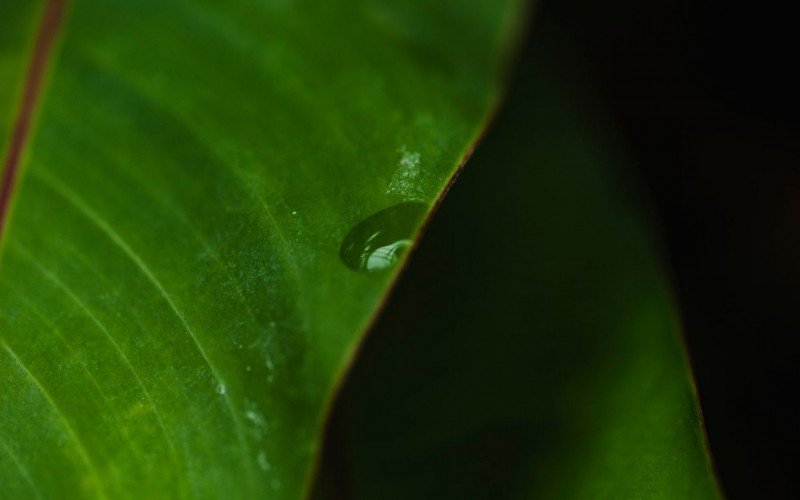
(379, 241)
(258, 425)
(405, 181)
(221, 389)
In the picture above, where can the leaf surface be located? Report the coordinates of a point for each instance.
(176, 312)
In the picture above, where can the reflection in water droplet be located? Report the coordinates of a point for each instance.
(379, 241)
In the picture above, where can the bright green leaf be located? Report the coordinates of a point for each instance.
(175, 312)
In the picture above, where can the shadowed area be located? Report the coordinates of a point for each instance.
(532, 350)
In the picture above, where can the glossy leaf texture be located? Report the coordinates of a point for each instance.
(532, 350)
(175, 312)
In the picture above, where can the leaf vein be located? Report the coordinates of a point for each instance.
(79, 445)
(22, 468)
(84, 209)
(51, 276)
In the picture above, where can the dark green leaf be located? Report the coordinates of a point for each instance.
(533, 349)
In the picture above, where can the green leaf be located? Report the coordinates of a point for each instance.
(176, 310)
(17, 20)
(532, 350)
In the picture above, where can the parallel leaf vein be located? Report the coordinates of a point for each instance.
(84, 209)
(79, 445)
(51, 276)
(22, 468)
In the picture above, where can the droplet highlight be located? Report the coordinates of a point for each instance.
(378, 242)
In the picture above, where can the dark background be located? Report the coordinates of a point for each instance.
(705, 94)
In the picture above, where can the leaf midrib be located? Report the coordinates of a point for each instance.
(40, 57)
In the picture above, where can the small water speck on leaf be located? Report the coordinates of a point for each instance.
(258, 424)
(405, 181)
(262, 461)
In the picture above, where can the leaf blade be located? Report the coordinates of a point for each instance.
(171, 272)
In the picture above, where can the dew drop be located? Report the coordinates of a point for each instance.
(258, 426)
(379, 241)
